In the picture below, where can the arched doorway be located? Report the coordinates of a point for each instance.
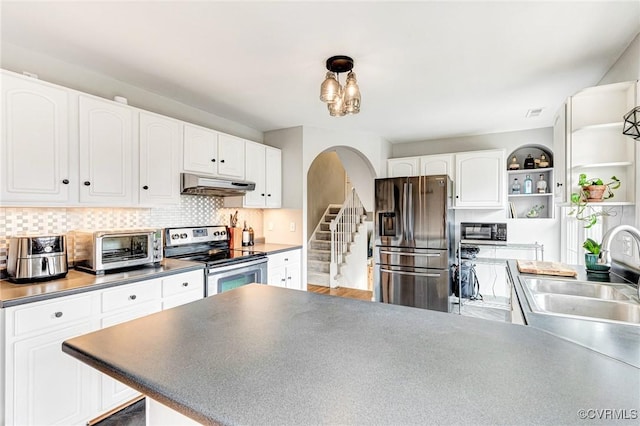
(334, 177)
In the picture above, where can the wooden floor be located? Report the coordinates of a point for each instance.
(341, 292)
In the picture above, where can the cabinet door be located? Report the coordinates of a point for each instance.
(255, 164)
(293, 276)
(160, 146)
(437, 165)
(200, 150)
(400, 167)
(560, 156)
(273, 177)
(35, 141)
(106, 152)
(480, 179)
(231, 154)
(51, 388)
(114, 393)
(277, 275)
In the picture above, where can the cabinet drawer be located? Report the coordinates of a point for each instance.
(285, 258)
(183, 283)
(182, 299)
(130, 295)
(51, 314)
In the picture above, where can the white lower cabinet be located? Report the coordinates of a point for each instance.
(44, 386)
(284, 269)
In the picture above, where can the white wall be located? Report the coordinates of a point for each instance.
(627, 67)
(53, 70)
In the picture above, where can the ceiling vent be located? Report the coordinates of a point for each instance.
(534, 112)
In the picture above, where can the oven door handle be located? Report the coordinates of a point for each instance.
(413, 274)
(223, 268)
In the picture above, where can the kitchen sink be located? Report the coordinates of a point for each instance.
(608, 302)
(585, 307)
(584, 289)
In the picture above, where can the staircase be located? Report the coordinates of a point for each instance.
(331, 242)
(319, 251)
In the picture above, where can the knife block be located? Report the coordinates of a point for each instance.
(235, 239)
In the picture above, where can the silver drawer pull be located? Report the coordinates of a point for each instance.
(185, 284)
(58, 314)
(413, 274)
(132, 297)
(411, 254)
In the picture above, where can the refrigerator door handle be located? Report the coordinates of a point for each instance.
(408, 211)
(413, 274)
(411, 254)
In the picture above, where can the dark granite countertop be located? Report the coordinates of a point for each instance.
(268, 355)
(12, 294)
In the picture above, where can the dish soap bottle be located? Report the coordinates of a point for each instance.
(528, 185)
(245, 235)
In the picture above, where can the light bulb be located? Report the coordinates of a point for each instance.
(330, 88)
(351, 94)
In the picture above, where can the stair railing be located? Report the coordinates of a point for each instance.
(342, 229)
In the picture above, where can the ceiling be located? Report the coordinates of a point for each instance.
(426, 70)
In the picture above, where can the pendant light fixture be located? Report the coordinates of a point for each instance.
(340, 100)
(632, 123)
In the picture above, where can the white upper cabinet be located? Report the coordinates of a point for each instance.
(106, 152)
(200, 150)
(264, 168)
(160, 158)
(231, 156)
(273, 177)
(480, 177)
(400, 167)
(34, 154)
(431, 165)
(213, 153)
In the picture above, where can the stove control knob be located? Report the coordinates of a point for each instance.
(223, 233)
(183, 235)
(215, 234)
(175, 236)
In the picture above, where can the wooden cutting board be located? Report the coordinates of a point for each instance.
(546, 268)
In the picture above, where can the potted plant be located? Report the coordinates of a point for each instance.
(592, 190)
(592, 255)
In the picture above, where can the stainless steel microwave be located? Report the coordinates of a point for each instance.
(487, 233)
(101, 251)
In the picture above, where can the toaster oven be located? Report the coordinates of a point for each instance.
(102, 251)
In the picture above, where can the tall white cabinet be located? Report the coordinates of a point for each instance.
(34, 154)
(106, 152)
(263, 167)
(160, 159)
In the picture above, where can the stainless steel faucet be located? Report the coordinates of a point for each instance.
(605, 252)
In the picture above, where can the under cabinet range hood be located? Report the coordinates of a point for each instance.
(205, 185)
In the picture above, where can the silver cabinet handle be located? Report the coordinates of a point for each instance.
(413, 274)
(412, 254)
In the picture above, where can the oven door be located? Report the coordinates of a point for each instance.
(227, 277)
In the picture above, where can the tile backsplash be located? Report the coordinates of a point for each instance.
(192, 211)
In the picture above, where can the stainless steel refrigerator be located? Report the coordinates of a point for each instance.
(414, 246)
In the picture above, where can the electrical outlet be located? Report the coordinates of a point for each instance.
(627, 247)
(292, 226)
(270, 226)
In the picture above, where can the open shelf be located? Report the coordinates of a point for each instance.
(535, 194)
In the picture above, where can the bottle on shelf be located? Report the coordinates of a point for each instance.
(541, 185)
(245, 235)
(251, 242)
(515, 188)
(528, 185)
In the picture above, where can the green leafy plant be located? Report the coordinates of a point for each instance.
(591, 246)
(580, 203)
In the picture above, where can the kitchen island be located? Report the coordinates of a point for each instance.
(266, 355)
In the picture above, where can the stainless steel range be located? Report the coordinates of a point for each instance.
(226, 268)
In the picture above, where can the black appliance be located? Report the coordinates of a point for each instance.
(483, 233)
